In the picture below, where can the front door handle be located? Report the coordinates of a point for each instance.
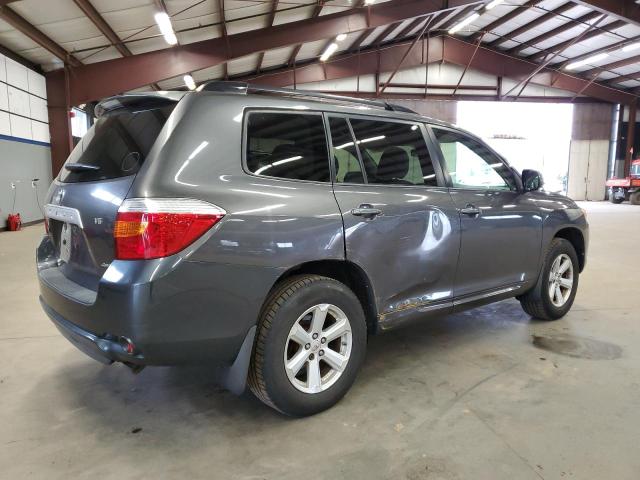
(366, 210)
(470, 210)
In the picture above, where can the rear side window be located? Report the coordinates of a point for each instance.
(117, 144)
(394, 153)
(287, 145)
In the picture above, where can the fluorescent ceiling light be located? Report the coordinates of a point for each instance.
(328, 52)
(493, 3)
(189, 82)
(587, 61)
(341, 37)
(631, 47)
(369, 2)
(464, 23)
(164, 24)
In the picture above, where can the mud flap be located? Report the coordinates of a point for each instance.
(234, 378)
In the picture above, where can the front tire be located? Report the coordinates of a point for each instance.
(555, 291)
(634, 198)
(613, 198)
(310, 344)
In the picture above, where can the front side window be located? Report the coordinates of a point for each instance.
(394, 153)
(344, 153)
(471, 164)
(287, 145)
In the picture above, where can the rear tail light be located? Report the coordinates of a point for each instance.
(158, 227)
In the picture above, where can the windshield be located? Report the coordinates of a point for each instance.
(116, 145)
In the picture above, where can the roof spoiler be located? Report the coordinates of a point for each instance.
(129, 100)
(245, 88)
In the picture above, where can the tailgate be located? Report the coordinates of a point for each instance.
(83, 202)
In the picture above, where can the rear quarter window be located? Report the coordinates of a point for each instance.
(287, 145)
(117, 144)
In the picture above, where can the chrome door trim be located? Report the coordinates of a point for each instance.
(63, 214)
(487, 294)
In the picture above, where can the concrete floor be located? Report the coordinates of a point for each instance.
(470, 396)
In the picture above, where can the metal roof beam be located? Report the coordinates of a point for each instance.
(441, 49)
(223, 31)
(625, 10)
(559, 46)
(461, 97)
(462, 14)
(612, 66)
(92, 14)
(410, 27)
(101, 79)
(623, 78)
(384, 34)
(598, 51)
(505, 18)
(315, 14)
(532, 24)
(272, 17)
(24, 27)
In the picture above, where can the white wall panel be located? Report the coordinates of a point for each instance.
(4, 97)
(5, 126)
(20, 127)
(38, 108)
(17, 74)
(3, 68)
(40, 131)
(37, 84)
(19, 102)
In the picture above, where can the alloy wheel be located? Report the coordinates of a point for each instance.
(318, 348)
(561, 280)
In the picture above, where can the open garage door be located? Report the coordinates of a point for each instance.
(528, 135)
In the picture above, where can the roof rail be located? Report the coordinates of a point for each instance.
(246, 88)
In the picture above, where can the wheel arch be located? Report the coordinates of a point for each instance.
(345, 272)
(574, 236)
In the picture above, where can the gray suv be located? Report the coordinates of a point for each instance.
(270, 231)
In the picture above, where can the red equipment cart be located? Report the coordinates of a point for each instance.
(621, 189)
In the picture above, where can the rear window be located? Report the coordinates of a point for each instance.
(117, 144)
(287, 145)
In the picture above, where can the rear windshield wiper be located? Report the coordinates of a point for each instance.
(81, 167)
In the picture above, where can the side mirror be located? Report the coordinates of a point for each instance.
(532, 180)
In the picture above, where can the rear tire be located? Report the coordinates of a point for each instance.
(634, 198)
(310, 344)
(560, 268)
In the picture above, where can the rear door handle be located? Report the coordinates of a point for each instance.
(366, 210)
(471, 210)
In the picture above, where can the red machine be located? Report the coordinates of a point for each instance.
(621, 189)
(13, 222)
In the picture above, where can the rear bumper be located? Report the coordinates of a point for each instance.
(107, 349)
(173, 310)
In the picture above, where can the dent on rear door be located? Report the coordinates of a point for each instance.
(410, 251)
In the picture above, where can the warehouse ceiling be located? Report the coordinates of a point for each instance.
(587, 47)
